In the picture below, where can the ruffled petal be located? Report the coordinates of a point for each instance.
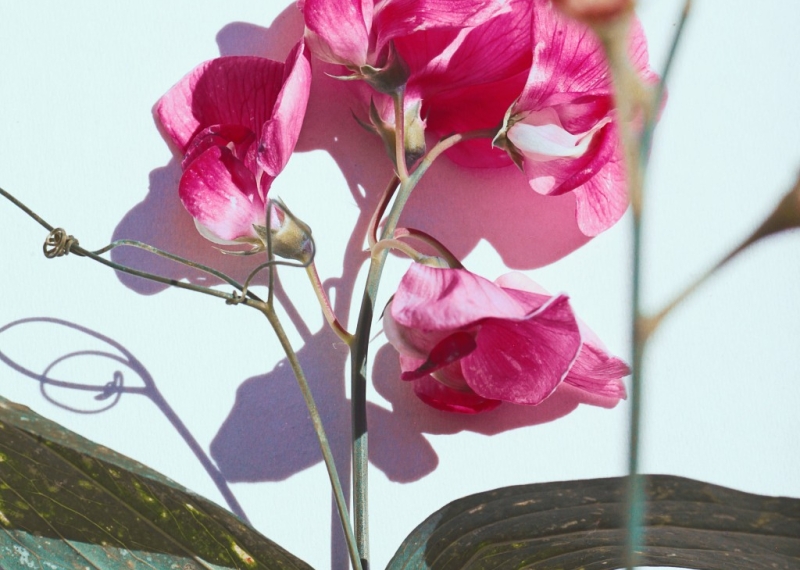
(524, 362)
(221, 194)
(434, 299)
(521, 282)
(397, 18)
(561, 175)
(279, 134)
(567, 57)
(599, 373)
(408, 340)
(443, 60)
(471, 108)
(441, 397)
(603, 199)
(467, 80)
(337, 30)
(236, 90)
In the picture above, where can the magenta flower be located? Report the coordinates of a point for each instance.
(469, 344)
(235, 121)
(452, 55)
(527, 67)
(562, 128)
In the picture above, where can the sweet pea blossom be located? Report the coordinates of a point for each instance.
(469, 344)
(235, 122)
(562, 128)
(540, 75)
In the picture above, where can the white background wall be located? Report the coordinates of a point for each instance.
(78, 145)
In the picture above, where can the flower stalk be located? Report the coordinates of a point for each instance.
(325, 305)
(633, 97)
(360, 345)
(341, 504)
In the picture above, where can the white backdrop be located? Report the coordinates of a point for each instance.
(78, 144)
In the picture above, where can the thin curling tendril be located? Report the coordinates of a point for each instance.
(58, 243)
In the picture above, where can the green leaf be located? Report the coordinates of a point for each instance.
(66, 502)
(581, 524)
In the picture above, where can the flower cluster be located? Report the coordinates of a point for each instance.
(524, 83)
(472, 65)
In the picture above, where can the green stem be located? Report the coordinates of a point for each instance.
(639, 329)
(423, 237)
(316, 420)
(399, 246)
(360, 347)
(400, 133)
(325, 305)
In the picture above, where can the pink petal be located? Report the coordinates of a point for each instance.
(408, 340)
(597, 372)
(279, 134)
(337, 30)
(398, 18)
(524, 362)
(472, 108)
(449, 350)
(434, 299)
(468, 80)
(237, 138)
(541, 137)
(441, 397)
(567, 58)
(236, 90)
(529, 301)
(521, 282)
(445, 60)
(556, 177)
(221, 194)
(603, 199)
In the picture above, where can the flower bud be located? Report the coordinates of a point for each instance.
(413, 132)
(289, 237)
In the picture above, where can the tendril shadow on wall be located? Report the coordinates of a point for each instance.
(109, 393)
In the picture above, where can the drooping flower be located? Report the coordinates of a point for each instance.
(235, 121)
(469, 344)
(562, 129)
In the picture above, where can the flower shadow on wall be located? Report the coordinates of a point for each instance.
(497, 205)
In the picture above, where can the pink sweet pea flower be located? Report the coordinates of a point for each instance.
(562, 129)
(539, 74)
(464, 61)
(469, 344)
(235, 121)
